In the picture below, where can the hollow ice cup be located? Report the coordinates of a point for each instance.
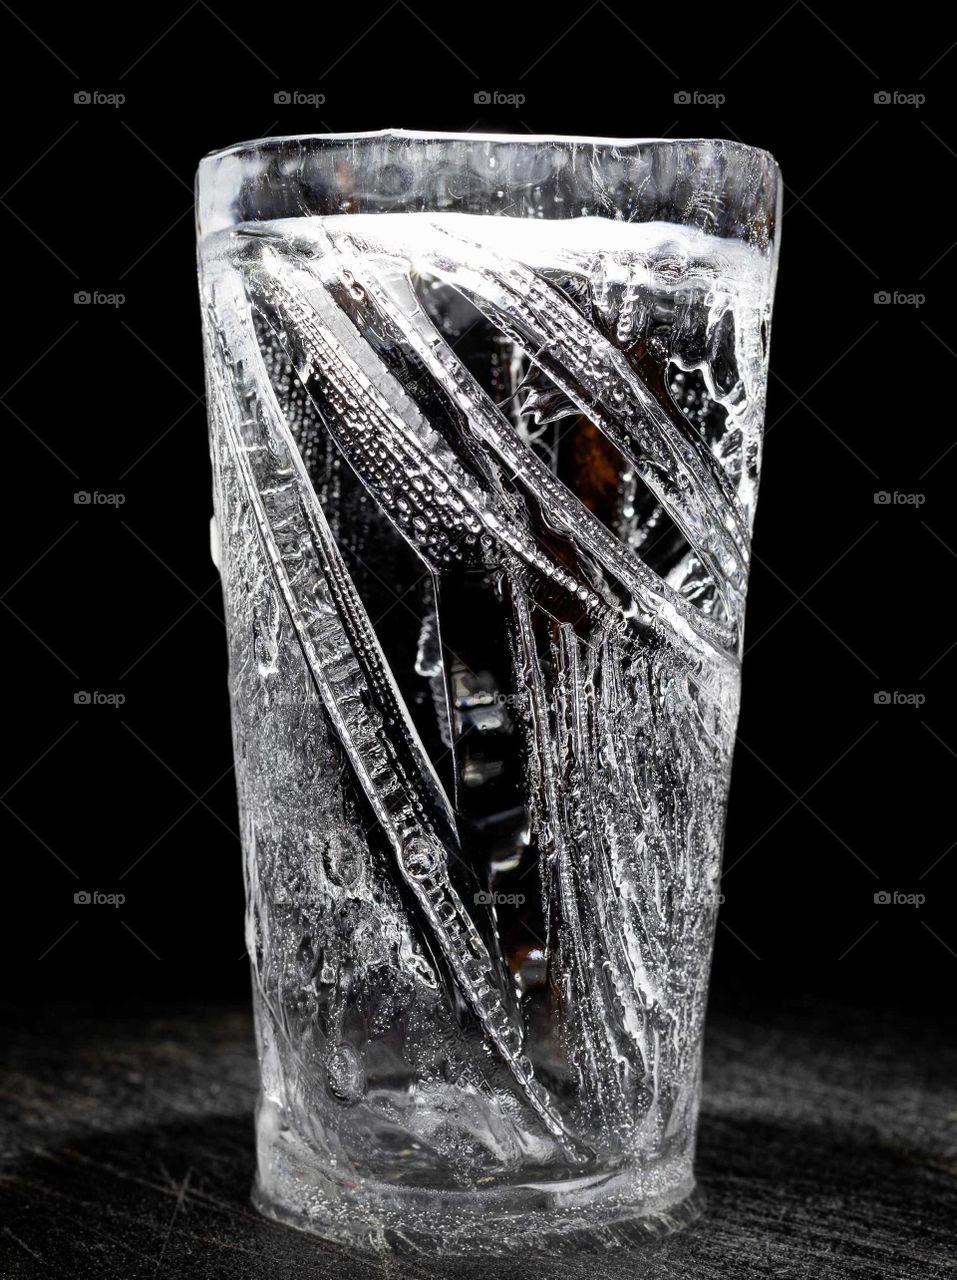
(485, 420)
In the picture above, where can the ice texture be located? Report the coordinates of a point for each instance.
(485, 489)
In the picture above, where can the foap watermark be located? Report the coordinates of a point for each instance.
(96, 898)
(83, 698)
(96, 97)
(898, 698)
(696, 98)
(894, 898)
(884, 298)
(86, 298)
(496, 98)
(884, 498)
(86, 498)
(507, 700)
(491, 898)
(296, 98)
(895, 98)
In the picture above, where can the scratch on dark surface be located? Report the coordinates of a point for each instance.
(68, 1156)
(31, 1252)
(149, 1185)
(172, 1222)
(169, 1192)
(113, 1240)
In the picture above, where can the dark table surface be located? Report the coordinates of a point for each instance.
(828, 1147)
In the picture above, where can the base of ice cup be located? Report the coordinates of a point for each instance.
(594, 1214)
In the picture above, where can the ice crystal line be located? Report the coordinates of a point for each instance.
(485, 420)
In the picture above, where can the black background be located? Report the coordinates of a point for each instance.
(835, 797)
